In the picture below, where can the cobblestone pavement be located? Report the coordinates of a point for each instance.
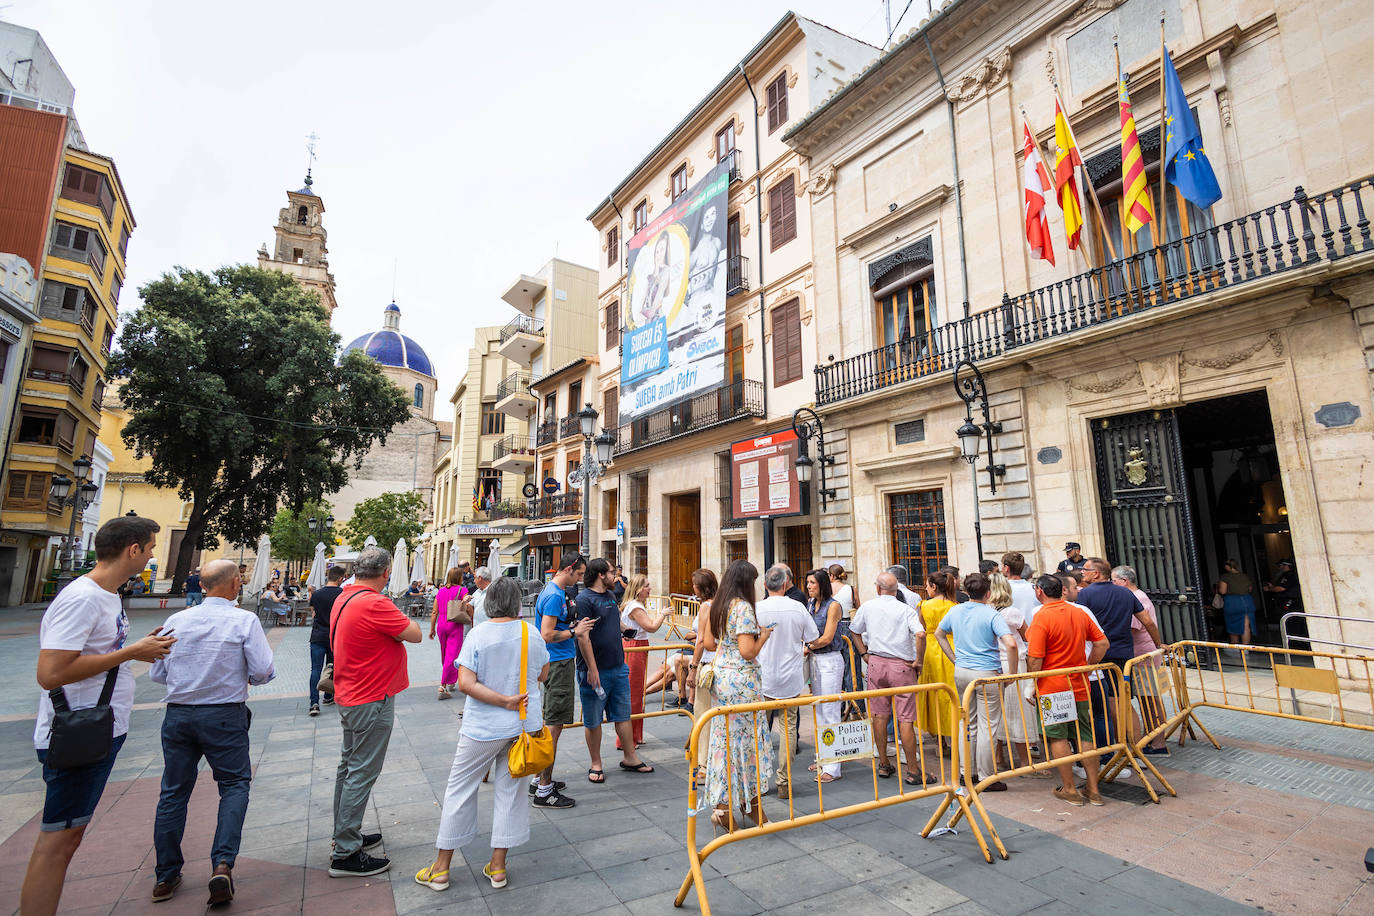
(1277, 819)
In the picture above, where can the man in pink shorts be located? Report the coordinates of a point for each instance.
(888, 633)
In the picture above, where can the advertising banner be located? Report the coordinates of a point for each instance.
(674, 333)
(763, 476)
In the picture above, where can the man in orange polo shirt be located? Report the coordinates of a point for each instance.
(369, 670)
(1055, 639)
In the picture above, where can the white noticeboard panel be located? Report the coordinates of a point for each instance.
(1058, 707)
(844, 741)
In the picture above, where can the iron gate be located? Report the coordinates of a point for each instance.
(1147, 515)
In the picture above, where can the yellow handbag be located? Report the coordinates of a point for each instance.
(530, 752)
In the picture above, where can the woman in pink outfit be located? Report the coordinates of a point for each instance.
(450, 634)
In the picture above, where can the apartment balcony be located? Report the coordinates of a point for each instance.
(736, 275)
(514, 398)
(521, 339)
(547, 433)
(736, 174)
(514, 454)
(509, 511)
(560, 505)
(1290, 236)
(712, 408)
(570, 427)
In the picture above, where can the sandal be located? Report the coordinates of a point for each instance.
(912, 779)
(886, 771)
(435, 880)
(497, 877)
(720, 817)
(640, 767)
(594, 772)
(826, 777)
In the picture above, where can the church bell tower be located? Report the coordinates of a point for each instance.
(300, 248)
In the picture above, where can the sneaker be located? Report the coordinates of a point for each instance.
(329, 701)
(1157, 751)
(372, 840)
(553, 800)
(164, 890)
(1069, 798)
(358, 865)
(314, 709)
(998, 786)
(558, 786)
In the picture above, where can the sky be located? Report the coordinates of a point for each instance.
(460, 143)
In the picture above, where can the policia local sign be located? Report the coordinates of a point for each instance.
(674, 333)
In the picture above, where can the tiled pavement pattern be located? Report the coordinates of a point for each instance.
(1254, 835)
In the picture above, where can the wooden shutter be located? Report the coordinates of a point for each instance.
(782, 213)
(777, 102)
(612, 246)
(787, 350)
(613, 324)
(610, 408)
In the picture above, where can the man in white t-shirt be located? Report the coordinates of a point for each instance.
(780, 659)
(81, 640)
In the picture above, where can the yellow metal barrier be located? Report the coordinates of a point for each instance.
(669, 650)
(946, 782)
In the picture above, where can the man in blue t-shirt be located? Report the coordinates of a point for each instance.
(554, 611)
(978, 630)
(603, 678)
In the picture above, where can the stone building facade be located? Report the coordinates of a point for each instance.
(1221, 412)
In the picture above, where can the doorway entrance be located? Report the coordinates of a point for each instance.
(684, 541)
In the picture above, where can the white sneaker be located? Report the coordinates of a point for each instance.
(1080, 772)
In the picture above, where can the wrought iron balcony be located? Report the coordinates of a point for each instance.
(569, 426)
(546, 433)
(556, 506)
(733, 158)
(711, 408)
(736, 275)
(508, 509)
(515, 383)
(639, 523)
(1295, 234)
(522, 324)
(512, 447)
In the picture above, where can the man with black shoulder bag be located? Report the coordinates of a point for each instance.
(88, 694)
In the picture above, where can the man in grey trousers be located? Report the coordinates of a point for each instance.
(366, 632)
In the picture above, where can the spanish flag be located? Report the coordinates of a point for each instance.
(1066, 160)
(1135, 189)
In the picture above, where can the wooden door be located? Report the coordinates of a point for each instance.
(684, 541)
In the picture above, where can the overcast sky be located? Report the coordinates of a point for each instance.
(463, 142)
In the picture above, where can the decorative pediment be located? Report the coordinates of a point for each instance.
(918, 252)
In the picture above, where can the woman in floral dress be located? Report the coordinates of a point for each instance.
(737, 768)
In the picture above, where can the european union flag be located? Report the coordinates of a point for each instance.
(1186, 163)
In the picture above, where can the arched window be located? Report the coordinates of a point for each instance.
(301, 215)
(419, 395)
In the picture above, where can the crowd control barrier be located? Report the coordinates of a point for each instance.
(662, 653)
(845, 741)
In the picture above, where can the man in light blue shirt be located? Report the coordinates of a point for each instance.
(978, 629)
(220, 650)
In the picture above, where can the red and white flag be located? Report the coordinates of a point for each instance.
(1038, 186)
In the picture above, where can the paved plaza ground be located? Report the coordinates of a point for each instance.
(1278, 820)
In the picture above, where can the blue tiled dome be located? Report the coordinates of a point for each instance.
(392, 348)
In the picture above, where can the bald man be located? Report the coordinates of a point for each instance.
(888, 633)
(220, 650)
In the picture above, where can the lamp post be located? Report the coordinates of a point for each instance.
(806, 423)
(970, 385)
(592, 466)
(78, 498)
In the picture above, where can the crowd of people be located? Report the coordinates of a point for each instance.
(585, 647)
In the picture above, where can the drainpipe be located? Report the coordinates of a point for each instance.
(954, 155)
(758, 221)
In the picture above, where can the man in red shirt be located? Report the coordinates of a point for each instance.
(370, 668)
(1055, 639)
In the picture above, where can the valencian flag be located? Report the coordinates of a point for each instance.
(1066, 160)
(1135, 195)
(1186, 164)
(1038, 184)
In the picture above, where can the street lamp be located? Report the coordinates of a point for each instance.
(970, 385)
(78, 499)
(596, 454)
(806, 423)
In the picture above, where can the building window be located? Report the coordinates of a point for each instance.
(610, 508)
(88, 187)
(641, 563)
(734, 354)
(782, 212)
(116, 285)
(49, 364)
(907, 311)
(574, 398)
(777, 102)
(796, 550)
(38, 426)
(79, 369)
(737, 549)
(638, 508)
(787, 348)
(679, 181)
(419, 395)
(493, 421)
(613, 246)
(612, 315)
(298, 255)
(123, 241)
(28, 490)
(98, 396)
(641, 215)
(570, 464)
(724, 492)
(108, 340)
(918, 532)
(488, 487)
(610, 408)
(76, 243)
(725, 141)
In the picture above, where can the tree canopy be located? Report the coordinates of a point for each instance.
(235, 391)
(386, 517)
(291, 536)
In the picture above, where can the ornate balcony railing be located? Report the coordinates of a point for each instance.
(736, 275)
(512, 445)
(522, 324)
(508, 508)
(569, 426)
(515, 383)
(546, 433)
(713, 407)
(556, 506)
(1291, 235)
(733, 158)
(639, 523)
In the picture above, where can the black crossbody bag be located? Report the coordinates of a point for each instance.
(81, 737)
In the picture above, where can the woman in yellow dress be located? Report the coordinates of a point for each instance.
(936, 713)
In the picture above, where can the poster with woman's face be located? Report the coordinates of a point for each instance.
(674, 334)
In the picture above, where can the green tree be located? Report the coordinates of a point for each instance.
(236, 392)
(291, 536)
(386, 517)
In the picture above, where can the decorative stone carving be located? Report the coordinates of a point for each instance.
(1049, 67)
(1093, 8)
(1336, 415)
(918, 251)
(983, 77)
(1226, 361)
(821, 181)
(1105, 387)
(1161, 380)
